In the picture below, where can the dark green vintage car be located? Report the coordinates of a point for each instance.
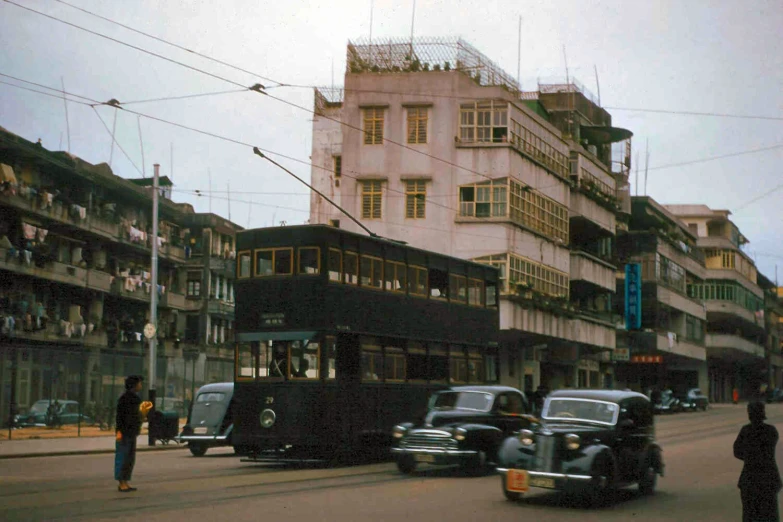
(464, 425)
(587, 441)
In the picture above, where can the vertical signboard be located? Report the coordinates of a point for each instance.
(633, 296)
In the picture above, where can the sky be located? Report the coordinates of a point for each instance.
(707, 56)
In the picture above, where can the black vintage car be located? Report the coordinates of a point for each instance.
(665, 402)
(588, 441)
(211, 419)
(694, 400)
(464, 425)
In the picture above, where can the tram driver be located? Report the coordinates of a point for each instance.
(279, 364)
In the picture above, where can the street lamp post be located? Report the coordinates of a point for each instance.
(150, 330)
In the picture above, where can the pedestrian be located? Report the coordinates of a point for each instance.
(759, 482)
(735, 395)
(130, 415)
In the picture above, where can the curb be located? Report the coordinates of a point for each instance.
(84, 452)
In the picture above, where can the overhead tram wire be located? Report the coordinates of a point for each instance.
(257, 152)
(111, 134)
(60, 96)
(713, 158)
(191, 51)
(59, 91)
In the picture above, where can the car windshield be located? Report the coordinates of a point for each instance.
(581, 409)
(210, 397)
(40, 407)
(463, 400)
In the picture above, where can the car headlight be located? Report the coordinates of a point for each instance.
(460, 434)
(267, 418)
(572, 441)
(398, 432)
(526, 437)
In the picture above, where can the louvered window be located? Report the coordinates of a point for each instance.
(371, 199)
(415, 197)
(373, 125)
(417, 125)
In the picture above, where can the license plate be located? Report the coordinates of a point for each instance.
(540, 482)
(517, 480)
(199, 431)
(424, 458)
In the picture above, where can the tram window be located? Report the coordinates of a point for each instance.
(438, 283)
(394, 273)
(309, 260)
(372, 360)
(351, 268)
(304, 357)
(335, 265)
(458, 289)
(371, 270)
(245, 361)
(244, 265)
(439, 363)
(492, 294)
(330, 353)
(393, 364)
(417, 281)
(274, 261)
(278, 364)
(458, 364)
(416, 362)
(475, 292)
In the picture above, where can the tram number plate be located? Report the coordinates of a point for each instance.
(539, 482)
(517, 480)
(424, 458)
(200, 430)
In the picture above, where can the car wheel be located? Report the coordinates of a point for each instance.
(477, 465)
(648, 482)
(511, 496)
(406, 464)
(599, 492)
(197, 450)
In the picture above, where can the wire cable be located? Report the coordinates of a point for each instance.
(59, 97)
(186, 96)
(191, 51)
(713, 158)
(58, 91)
(116, 142)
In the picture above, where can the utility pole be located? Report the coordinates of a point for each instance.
(150, 330)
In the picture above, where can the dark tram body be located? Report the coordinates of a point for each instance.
(342, 336)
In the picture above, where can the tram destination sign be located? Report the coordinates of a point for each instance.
(277, 319)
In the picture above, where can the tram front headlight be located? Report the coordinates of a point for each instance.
(267, 418)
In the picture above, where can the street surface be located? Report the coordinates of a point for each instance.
(700, 484)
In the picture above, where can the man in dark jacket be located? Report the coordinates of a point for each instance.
(760, 481)
(130, 414)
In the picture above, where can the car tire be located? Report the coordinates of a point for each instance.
(197, 450)
(649, 481)
(476, 465)
(406, 464)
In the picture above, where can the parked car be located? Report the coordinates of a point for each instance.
(46, 412)
(686, 404)
(589, 442)
(464, 425)
(697, 400)
(774, 395)
(667, 403)
(211, 419)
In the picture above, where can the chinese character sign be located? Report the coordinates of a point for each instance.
(633, 296)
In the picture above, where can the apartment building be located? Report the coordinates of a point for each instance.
(668, 350)
(75, 286)
(736, 327)
(429, 142)
(773, 319)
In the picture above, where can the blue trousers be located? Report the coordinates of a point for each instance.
(124, 458)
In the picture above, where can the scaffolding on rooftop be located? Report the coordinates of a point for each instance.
(426, 54)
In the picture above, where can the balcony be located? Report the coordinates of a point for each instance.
(583, 207)
(224, 266)
(732, 347)
(128, 288)
(56, 332)
(179, 302)
(98, 280)
(585, 267)
(726, 309)
(216, 307)
(52, 270)
(662, 342)
(681, 302)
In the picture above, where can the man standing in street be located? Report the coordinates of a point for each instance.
(759, 482)
(130, 415)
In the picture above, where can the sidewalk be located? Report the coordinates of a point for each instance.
(15, 449)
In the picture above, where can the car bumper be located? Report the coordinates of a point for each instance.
(558, 481)
(435, 455)
(202, 438)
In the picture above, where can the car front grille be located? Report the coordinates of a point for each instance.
(546, 454)
(430, 441)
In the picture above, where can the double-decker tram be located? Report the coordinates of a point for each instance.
(340, 336)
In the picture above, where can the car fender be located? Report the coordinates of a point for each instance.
(583, 460)
(655, 456)
(512, 454)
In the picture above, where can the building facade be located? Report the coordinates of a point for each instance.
(75, 258)
(736, 328)
(668, 350)
(432, 144)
